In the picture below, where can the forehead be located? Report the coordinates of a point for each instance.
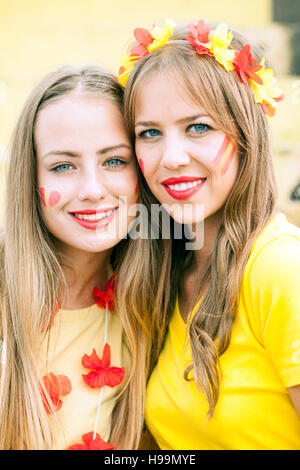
(164, 95)
(78, 119)
(73, 108)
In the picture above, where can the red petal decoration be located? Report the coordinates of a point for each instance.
(92, 444)
(246, 66)
(200, 32)
(102, 374)
(279, 98)
(107, 295)
(268, 109)
(55, 385)
(143, 36)
(94, 362)
(199, 48)
(140, 51)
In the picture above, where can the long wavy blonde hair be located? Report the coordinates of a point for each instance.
(31, 279)
(251, 203)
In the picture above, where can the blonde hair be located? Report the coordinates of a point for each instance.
(251, 203)
(31, 278)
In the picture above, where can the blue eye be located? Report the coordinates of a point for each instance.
(62, 168)
(149, 133)
(114, 162)
(198, 128)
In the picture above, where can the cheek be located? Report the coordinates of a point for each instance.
(124, 184)
(49, 198)
(224, 156)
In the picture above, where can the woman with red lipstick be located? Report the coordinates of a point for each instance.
(68, 348)
(228, 375)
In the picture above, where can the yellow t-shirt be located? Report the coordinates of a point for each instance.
(73, 334)
(254, 410)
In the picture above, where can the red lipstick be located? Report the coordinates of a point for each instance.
(181, 194)
(97, 222)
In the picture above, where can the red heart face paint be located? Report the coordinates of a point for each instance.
(225, 155)
(49, 199)
(141, 163)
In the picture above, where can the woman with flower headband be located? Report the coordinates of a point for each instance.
(71, 180)
(197, 103)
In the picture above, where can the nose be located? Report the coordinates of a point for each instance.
(92, 185)
(175, 154)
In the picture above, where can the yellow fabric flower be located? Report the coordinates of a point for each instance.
(219, 42)
(268, 91)
(161, 35)
(127, 63)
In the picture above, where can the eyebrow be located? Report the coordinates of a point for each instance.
(103, 151)
(179, 121)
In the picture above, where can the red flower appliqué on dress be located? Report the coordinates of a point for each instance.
(102, 374)
(107, 295)
(92, 444)
(56, 386)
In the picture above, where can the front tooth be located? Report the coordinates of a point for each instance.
(93, 217)
(184, 186)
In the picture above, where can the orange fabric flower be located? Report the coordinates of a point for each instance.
(107, 295)
(102, 374)
(92, 444)
(55, 386)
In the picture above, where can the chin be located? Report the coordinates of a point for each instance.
(186, 214)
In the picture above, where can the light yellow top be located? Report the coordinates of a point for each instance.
(73, 334)
(254, 410)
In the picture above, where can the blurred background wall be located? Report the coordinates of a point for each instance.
(37, 36)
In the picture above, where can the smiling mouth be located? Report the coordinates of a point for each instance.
(183, 188)
(93, 217)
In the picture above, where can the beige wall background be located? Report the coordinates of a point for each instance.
(37, 36)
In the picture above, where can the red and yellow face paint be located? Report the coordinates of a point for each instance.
(49, 199)
(141, 163)
(225, 155)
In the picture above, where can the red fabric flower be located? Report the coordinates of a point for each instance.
(92, 444)
(246, 66)
(55, 385)
(107, 295)
(102, 374)
(144, 38)
(199, 36)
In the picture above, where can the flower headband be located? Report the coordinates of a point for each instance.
(213, 42)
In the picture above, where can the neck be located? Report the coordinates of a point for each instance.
(84, 271)
(206, 233)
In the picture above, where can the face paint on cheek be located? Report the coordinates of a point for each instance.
(49, 199)
(42, 195)
(141, 163)
(136, 191)
(224, 155)
(54, 198)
